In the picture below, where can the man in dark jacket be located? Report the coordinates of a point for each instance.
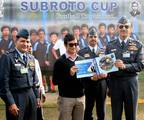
(124, 83)
(18, 81)
(71, 99)
(95, 91)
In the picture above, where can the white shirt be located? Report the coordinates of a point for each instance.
(39, 75)
(70, 58)
(95, 48)
(120, 40)
(20, 53)
(59, 45)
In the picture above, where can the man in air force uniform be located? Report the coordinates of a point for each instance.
(18, 81)
(95, 91)
(124, 83)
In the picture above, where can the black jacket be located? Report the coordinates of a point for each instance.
(69, 86)
(132, 55)
(16, 75)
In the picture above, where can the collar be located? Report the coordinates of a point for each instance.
(120, 40)
(95, 48)
(68, 56)
(20, 53)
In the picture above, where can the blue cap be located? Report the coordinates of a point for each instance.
(123, 20)
(92, 31)
(23, 33)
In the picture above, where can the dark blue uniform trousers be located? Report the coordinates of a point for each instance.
(95, 94)
(26, 102)
(124, 92)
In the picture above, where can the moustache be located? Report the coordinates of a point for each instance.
(124, 31)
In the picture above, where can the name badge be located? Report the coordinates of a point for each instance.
(126, 55)
(24, 70)
(17, 65)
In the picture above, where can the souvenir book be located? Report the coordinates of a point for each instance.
(99, 65)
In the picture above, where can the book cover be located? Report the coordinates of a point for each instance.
(99, 65)
(105, 64)
(85, 68)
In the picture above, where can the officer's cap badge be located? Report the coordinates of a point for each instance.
(123, 20)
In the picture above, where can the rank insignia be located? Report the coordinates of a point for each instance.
(31, 63)
(113, 50)
(100, 53)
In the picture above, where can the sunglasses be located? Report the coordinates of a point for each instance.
(121, 26)
(73, 44)
(93, 36)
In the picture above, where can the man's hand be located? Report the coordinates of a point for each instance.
(13, 109)
(38, 102)
(47, 63)
(2, 51)
(43, 99)
(120, 64)
(73, 70)
(96, 77)
(54, 53)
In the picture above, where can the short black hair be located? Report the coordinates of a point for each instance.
(33, 31)
(75, 27)
(53, 33)
(111, 26)
(41, 30)
(64, 29)
(14, 29)
(5, 26)
(84, 25)
(102, 24)
(69, 37)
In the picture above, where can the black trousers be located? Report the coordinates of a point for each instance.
(26, 102)
(95, 94)
(124, 93)
(39, 114)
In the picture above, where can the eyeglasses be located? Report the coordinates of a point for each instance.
(73, 44)
(121, 26)
(93, 36)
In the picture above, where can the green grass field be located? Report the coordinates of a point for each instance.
(51, 112)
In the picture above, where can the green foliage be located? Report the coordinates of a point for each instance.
(51, 110)
(141, 75)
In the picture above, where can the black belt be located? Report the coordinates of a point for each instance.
(18, 90)
(122, 77)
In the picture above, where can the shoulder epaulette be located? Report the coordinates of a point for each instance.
(131, 39)
(114, 40)
(84, 48)
(10, 51)
(80, 58)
